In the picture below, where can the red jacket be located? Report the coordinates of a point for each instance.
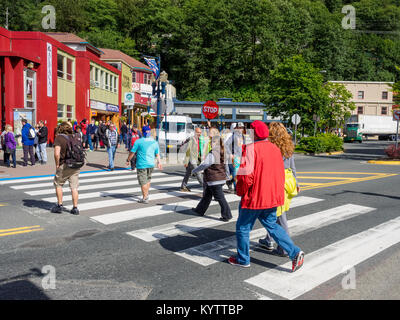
(261, 176)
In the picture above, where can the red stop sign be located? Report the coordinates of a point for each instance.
(210, 109)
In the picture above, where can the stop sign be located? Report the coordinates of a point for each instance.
(210, 109)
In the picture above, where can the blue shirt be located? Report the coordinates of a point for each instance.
(146, 150)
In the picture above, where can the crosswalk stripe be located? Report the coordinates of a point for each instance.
(102, 185)
(190, 225)
(128, 200)
(149, 211)
(83, 181)
(86, 174)
(330, 261)
(117, 192)
(219, 250)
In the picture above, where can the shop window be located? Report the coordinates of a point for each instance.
(384, 111)
(60, 66)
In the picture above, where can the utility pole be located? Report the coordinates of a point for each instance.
(6, 26)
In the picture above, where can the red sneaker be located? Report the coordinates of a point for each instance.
(297, 262)
(232, 260)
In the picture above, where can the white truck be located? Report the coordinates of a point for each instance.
(363, 126)
(175, 130)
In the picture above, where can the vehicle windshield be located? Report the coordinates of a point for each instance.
(352, 125)
(175, 127)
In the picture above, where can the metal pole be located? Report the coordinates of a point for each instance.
(158, 109)
(295, 132)
(397, 134)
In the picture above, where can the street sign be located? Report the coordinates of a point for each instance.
(210, 109)
(129, 99)
(396, 114)
(296, 119)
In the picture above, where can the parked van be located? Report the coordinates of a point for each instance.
(176, 130)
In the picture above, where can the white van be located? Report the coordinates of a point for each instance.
(177, 129)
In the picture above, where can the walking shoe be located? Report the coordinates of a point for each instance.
(232, 260)
(196, 212)
(74, 211)
(278, 253)
(144, 200)
(297, 262)
(224, 219)
(269, 246)
(57, 208)
(185, 189)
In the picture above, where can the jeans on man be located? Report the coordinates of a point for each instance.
(267, 217)
(41, 152)
(111, 155)
(188, 173)
(231, 172)
(89, 140)
(28, 149)
(282, 221)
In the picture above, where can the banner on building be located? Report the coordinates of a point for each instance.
(49, 70)
(152, 63)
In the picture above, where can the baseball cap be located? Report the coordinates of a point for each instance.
(240, 125)
(146, 129)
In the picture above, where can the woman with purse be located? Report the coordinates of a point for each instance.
(279, 136)
(10, 147)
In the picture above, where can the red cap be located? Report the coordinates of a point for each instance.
(260, 129)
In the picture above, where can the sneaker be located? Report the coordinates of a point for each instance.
(74, 211)
(224, 219)
(269, 246)
(58, 208)
(185, 189)
(144, 200)
(233, 261)
(278, 253)
(196, 212)
(297, 262)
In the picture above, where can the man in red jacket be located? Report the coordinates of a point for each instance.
(260, 184)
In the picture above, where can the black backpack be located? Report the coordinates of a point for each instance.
(76, 155)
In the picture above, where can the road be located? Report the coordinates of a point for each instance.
(346, 220)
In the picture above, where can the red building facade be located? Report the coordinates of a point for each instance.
(30, 77)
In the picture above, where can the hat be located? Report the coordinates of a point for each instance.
(146, 129)
(240, 125)
(260, 129)
(233, 126)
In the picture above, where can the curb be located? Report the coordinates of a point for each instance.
(388, 162)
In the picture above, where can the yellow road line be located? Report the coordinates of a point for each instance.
(368, 173)
(325, 178)
(19, 232)
(16, 229)
(349, 181)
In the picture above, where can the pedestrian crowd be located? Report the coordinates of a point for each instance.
(256, 164)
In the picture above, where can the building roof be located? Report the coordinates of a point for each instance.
(116, 55)
(70, 38)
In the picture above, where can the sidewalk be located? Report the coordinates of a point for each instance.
(96, 160)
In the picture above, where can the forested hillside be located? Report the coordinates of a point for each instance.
(228, 47)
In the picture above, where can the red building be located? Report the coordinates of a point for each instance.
(44, 79)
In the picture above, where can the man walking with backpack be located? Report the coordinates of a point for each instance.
(69, 157)
(28, 139)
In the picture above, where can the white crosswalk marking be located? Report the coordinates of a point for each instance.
(220, 250)
(112, 218)
(180, 227)
(328, 262)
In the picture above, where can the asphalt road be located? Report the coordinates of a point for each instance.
(346, 225)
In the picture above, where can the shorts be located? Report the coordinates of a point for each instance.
(144, 175)
(63, 173)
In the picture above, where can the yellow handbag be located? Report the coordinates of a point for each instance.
(290, 191)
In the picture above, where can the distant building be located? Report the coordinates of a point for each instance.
(370, 97)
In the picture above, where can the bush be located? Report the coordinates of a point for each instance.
(392, 152)
(321, 143)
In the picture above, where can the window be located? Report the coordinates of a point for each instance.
(133, 76)
(384, 111)
(360, 94)
(360, 110)
(65, 111)
(115, 84)
(384, 95)
(146, 78)
(92, 70)
(102, 79)
(107, 76)
(60, 66)
(111, 83)
(96, 74)
(69, 69)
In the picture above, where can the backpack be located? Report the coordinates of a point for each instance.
(31, 133)
(76, 155)
(290, 183)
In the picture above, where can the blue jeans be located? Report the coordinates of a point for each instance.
(111, 155)
(89, 140)
(233, 173)
(41, 152)
(267, 217)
